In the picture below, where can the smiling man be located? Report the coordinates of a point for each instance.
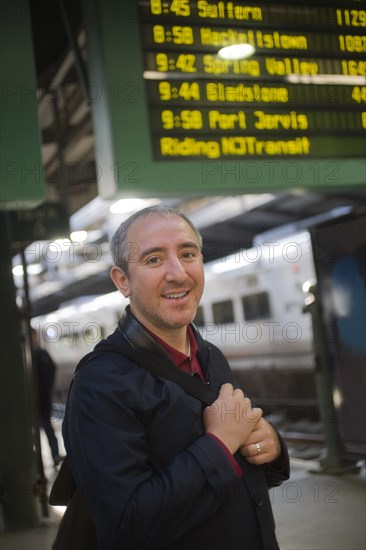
(157, 468)
(164, 276)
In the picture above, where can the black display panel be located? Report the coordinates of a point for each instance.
(172, 118)
(301, 94)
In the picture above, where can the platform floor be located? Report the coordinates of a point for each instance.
(312, 512)
(320, 512)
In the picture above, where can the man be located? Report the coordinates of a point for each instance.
(44, 373)
(157, 469)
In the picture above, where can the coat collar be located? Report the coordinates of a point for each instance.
(135, 334)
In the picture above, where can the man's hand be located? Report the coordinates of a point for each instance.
(262, 445)
(231, 417)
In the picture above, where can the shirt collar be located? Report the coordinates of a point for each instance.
(177, 356)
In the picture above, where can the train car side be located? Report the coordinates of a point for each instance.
(252, 308)
(74, 329)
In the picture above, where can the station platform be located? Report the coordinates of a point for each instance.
(313, 511)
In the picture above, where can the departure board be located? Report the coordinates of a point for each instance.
(300, 94)
(175, 117)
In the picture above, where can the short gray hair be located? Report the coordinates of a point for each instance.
(121, 249)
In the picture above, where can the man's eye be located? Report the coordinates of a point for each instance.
(189, 255)
(153, 260)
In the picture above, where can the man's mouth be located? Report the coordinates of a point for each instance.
(176, 295)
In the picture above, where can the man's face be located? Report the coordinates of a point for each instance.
(165, 278)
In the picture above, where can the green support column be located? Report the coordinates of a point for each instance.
(17, 463)
(333, 460)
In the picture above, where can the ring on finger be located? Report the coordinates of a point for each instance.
(258, 447)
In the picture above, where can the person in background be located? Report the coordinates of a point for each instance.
(156, 468)
(44, 374)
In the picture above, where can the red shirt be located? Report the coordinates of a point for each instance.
(190, 363)
(187, 363)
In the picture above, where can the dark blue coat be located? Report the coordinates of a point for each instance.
(150, 476)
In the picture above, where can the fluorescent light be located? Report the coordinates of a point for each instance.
(236, 51)
(78, 236)
(326, 79)
(160, 75)
(125, 206)
(34, 269)
(18, 270)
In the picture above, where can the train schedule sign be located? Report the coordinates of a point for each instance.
(174, 117)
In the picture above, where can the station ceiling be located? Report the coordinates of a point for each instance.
(50, 39)
(292, 212)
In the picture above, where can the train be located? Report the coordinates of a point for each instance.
(252, 308)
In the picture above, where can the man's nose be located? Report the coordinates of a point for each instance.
(175, 270)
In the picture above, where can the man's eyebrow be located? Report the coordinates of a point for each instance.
(150, 251)
(189, 244)
(153, 249)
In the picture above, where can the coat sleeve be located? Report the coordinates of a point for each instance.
(279, 470)
(134, 504)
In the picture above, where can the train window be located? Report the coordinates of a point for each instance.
(223, 312)
(256, 306)
(199, 320)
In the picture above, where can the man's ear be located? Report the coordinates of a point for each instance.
(120, 279)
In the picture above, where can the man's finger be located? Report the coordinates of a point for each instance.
(226, 390)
